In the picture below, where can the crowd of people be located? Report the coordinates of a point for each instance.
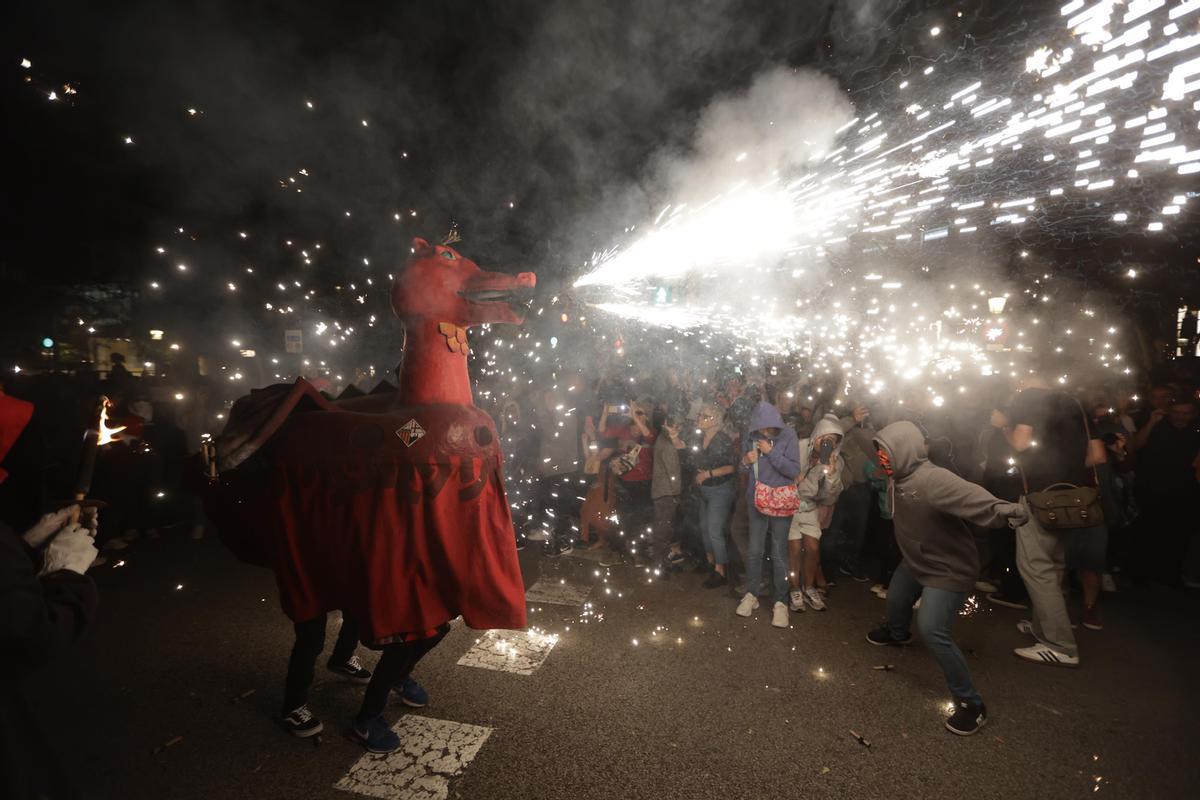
(779, 493)
(770, 491)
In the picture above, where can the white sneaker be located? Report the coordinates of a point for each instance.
(748, 605)
(779, 616)
(797, 598)
(1025, 627)
(1042, 654)
(880, 591)
(1107, 583)
(986, 586)
(814, 599)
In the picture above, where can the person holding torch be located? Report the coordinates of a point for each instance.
(46, 602)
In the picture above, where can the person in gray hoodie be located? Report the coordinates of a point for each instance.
(819, 485)
(930, 506)
(771, 456)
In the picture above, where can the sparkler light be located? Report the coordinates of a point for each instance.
(1093, 129)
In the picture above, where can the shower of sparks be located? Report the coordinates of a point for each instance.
(1089, 137)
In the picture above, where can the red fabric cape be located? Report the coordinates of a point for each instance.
(402, 537)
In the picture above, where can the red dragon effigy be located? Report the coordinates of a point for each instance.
(390, 507)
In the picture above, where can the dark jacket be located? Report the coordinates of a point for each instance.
(930, 506)
(39, 618)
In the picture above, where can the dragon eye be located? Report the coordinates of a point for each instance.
(446, 254)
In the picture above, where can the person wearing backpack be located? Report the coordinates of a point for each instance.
(771, 456)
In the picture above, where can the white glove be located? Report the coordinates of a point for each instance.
(72, 549)
(47, 526)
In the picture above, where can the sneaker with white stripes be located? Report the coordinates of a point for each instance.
(302, 723)
(1042, 654)
(797, 600)
(814, 599)
(353, 669)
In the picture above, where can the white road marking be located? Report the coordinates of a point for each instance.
(557, 593)
(520, 652)
(432, 752)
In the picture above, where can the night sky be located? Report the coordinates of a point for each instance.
(533, 127)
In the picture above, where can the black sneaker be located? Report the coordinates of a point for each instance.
(882, 636)
(967, 718)
(302, 723)
(352, 669)
(715, 580)
(675, 559)
(1008, 602)
(556, 549)
(853, 572)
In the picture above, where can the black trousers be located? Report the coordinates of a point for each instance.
(559, 499)
(636, 512)
(886, 549)
(310, 641)
(1004, 564)
(394, 667)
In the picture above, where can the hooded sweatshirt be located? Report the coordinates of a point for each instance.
(929, 506)
(781, 466)
(815, 486)
(857, 448)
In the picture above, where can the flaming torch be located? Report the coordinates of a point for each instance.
(93, 440)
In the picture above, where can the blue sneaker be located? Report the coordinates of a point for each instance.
(413, 694)
(375, 735)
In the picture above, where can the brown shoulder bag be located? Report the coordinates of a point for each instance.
(1065, 506)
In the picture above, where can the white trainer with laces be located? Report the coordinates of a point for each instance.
(1041, 654)
(814, 599)
(797, 598)
(748, 605)
(779, 615)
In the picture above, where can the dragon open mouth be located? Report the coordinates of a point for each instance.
(520, 297)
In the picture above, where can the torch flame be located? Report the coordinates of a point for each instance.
(107, 434)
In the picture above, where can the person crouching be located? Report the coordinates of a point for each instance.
(940, 560)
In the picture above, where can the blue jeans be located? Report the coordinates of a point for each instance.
(843, 542)
(760, 526)
(715, 502)
(939, 607)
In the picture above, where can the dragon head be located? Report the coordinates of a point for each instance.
(440, 285)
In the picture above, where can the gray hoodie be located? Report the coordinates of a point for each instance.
(815, 486)
(857, 448)
(930, 505)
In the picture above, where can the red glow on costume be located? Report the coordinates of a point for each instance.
(389, 507)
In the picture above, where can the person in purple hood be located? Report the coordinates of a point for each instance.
(771, 455)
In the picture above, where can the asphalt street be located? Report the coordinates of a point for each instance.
(649, 691)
